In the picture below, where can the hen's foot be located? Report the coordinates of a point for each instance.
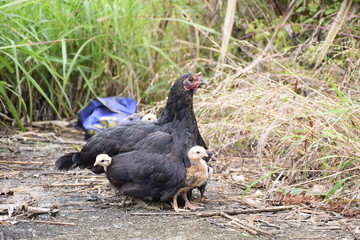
(192, 206)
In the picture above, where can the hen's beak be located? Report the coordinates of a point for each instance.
(204, 82)
(212, 159)
(199, 74)
(211, 156)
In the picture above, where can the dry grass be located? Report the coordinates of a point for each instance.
(298, 120)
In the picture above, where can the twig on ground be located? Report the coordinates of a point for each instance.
(54, 223)
(42, 137)
(79, 211)
(217, 213)
(17, 167)
(311, 212)
(244, 227)
(89, 189)
(238, 223)
(61, 124)
(33, 139)
(40, 210)
(250, 228)
(72, 204)
(268, 224)
(68, 185)
(94, 176)
(25, 209)
(21, 162)
(327, 228)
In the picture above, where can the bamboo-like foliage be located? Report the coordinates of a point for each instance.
(57, 55)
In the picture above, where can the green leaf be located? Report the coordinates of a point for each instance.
(330, 11)
(337, 187)
(300, 9)
(337, 90)
(293, 136)
(313, 7)
(259, 179)
(294, 191)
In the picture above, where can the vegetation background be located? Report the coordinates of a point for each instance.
(285, 80)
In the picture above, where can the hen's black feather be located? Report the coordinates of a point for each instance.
(153, 170)
(66, 162)
(149, 158)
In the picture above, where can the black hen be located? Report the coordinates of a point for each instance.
(149, 158)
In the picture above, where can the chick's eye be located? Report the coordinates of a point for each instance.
(191, 79)
(197, 152)
(102, 160)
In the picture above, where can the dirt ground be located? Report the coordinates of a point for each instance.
(39, 202)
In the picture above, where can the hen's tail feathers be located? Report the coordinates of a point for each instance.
(67, 162)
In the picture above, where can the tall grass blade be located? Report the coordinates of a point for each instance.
(11, 106)
(227, 29)
(33, 82)
(334, 29)
(64, 61)
(14, 3)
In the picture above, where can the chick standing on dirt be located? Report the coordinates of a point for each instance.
(196, 175)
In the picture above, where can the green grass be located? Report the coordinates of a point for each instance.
(57, 55)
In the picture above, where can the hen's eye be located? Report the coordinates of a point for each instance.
(191, 79)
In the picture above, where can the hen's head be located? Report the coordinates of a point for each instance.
(180, 101)
(192, 81)
(197, 153)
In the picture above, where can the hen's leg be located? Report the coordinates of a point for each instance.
(202, 191)
(175, 205)
(188, 204)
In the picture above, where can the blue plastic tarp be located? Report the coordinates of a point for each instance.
(102, 113)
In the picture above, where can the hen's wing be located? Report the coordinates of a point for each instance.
(122, 138)
(153, 170)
